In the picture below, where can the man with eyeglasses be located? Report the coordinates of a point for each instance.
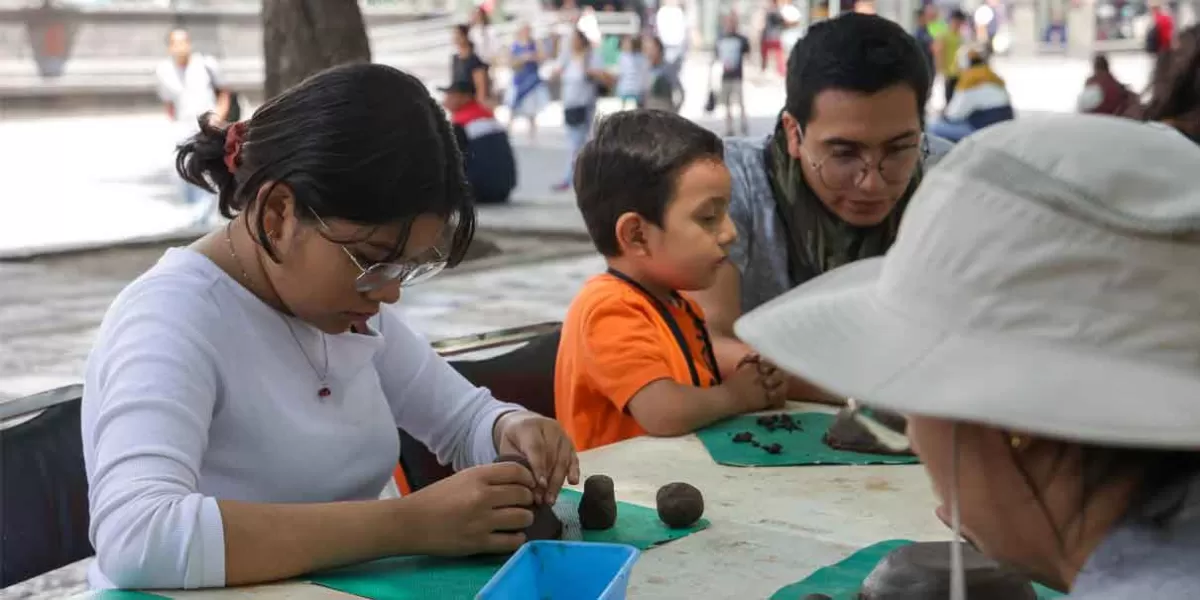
(830, 185)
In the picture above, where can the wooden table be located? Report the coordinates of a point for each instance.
(770, 526)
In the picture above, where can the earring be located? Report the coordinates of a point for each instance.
(1015, 441)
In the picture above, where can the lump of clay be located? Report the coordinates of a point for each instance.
(847, 433)
(817, 597)
(546, 525)
(921, 571)
(894, 421)
(679, 505)
(598, 507)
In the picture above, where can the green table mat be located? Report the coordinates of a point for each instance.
(843, 580)
(422, 577)
(802, 447)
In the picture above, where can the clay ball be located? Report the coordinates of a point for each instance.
(546, 525)
(598, 507)
(679, 504)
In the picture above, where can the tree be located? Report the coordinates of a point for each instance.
(302, 37)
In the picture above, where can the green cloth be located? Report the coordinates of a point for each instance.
(420, 577)
(843, 580)
(803, 447)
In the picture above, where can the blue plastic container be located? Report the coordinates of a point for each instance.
(546, 570)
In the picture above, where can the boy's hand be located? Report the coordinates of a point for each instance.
(758, 385)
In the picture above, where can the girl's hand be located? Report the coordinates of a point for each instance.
(545, 445)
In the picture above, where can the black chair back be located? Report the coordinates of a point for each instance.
(523, 376)
(43, 492)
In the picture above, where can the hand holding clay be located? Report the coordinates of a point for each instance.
(679, 504)
(542, 441)
(470, 512)
(546, 525)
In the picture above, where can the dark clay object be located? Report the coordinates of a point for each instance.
(817, 597)
(598, 507)
(679, 504)
(775, 448)
(921, 571)
(846, 433)
(743, 437)
(546, 525)
(891, 420)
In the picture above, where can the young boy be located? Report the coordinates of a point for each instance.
(635, 356)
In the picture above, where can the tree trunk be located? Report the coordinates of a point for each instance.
(303, 37)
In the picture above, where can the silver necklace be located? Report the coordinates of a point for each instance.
(323, 390)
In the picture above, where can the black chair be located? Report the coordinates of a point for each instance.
(43, 485)
(523, 376)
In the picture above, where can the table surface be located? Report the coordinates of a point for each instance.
(771, 526)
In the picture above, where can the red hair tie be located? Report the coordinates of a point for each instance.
(233, 144)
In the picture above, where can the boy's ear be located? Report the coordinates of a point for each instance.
(631, 234)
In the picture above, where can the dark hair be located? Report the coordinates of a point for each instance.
(1100, 63)
(365, 143)
(958, 15)
(855, 52)
(631, 165)
(1175, 85)
(465, 31)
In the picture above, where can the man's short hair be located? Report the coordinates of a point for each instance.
(857, 53)
(631, 164)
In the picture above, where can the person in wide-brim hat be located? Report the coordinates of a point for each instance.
(1038, 321)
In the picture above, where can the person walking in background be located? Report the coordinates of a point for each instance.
(1102, 94)
(632, 71)
(479, 31)
(731, 50)
(528, 95)
(1161, 34)
(189, 84)
(980, 100)
(579, 72)
(670, 25)
(945, 53)
(924, 36)
(663, 90)
(467, 68)
(770, 45)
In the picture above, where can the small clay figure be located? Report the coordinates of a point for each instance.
(846, 433)
(922, 571)
(598, 507)
(743, 437)
(679, 504)
(546, 525)
(775, 448)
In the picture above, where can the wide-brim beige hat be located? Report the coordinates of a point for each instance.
(1045, 280)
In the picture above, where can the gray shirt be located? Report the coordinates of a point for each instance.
(760, 252)
(1140, 562)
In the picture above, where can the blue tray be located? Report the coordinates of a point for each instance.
(548, 570)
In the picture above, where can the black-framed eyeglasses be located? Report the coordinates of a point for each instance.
(839, 171)
(378, 275)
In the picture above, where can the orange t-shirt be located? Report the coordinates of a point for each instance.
(615, 342)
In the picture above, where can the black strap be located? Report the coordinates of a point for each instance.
(676, 332)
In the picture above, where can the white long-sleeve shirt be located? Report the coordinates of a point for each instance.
(196, 391)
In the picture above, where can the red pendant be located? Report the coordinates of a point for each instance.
(324, 392)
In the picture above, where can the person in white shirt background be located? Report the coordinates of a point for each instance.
(670, 23)
(243, 396)
(189, 84)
